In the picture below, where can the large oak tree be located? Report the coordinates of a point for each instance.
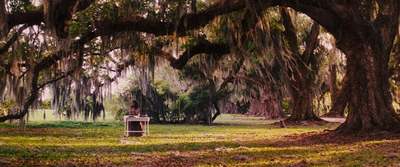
(364, 31)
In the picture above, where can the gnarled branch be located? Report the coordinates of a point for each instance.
(11, 41)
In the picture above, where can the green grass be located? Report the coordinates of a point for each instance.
(234, 141)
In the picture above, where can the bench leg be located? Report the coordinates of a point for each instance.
(147, 128)
(126, 129)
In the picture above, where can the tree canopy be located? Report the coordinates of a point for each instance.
(265, 50)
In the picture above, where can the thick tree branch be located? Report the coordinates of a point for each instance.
(291, 36)
(202, 46)
(58, 13)
(186, 23)
(317, 9)
(137, 23)
(387, 23)
(290, 32)
(34, 17)
(38, 15)
(250, 19)
(11, 41)
(312, 41)
(314, 8)
(321, 11)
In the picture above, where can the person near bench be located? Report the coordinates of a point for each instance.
(134, 111)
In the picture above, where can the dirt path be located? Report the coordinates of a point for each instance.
(332, 119)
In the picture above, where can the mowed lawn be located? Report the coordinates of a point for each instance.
(234, 141)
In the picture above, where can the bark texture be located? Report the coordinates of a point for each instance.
(340, 100)
(268, 105)
(333, 81)
(370, 101)
(368, 49)
(301, 82)
(367, 42)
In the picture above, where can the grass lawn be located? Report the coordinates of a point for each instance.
(234, 141)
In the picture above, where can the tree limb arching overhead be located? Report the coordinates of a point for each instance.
(202, 47)
(366, 43)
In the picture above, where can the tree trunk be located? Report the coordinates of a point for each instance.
(332, 81)
(302, 94)
(302, 109)
(340, 101)
(268, 104)
(303, 75)
(215, 104)
(370, 101)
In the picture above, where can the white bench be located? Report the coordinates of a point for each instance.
(130, 118)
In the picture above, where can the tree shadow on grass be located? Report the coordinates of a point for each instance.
(284, 151)
(375, 154)
(330, 137)
(298, 149)
(284, 156)
(181, 154)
